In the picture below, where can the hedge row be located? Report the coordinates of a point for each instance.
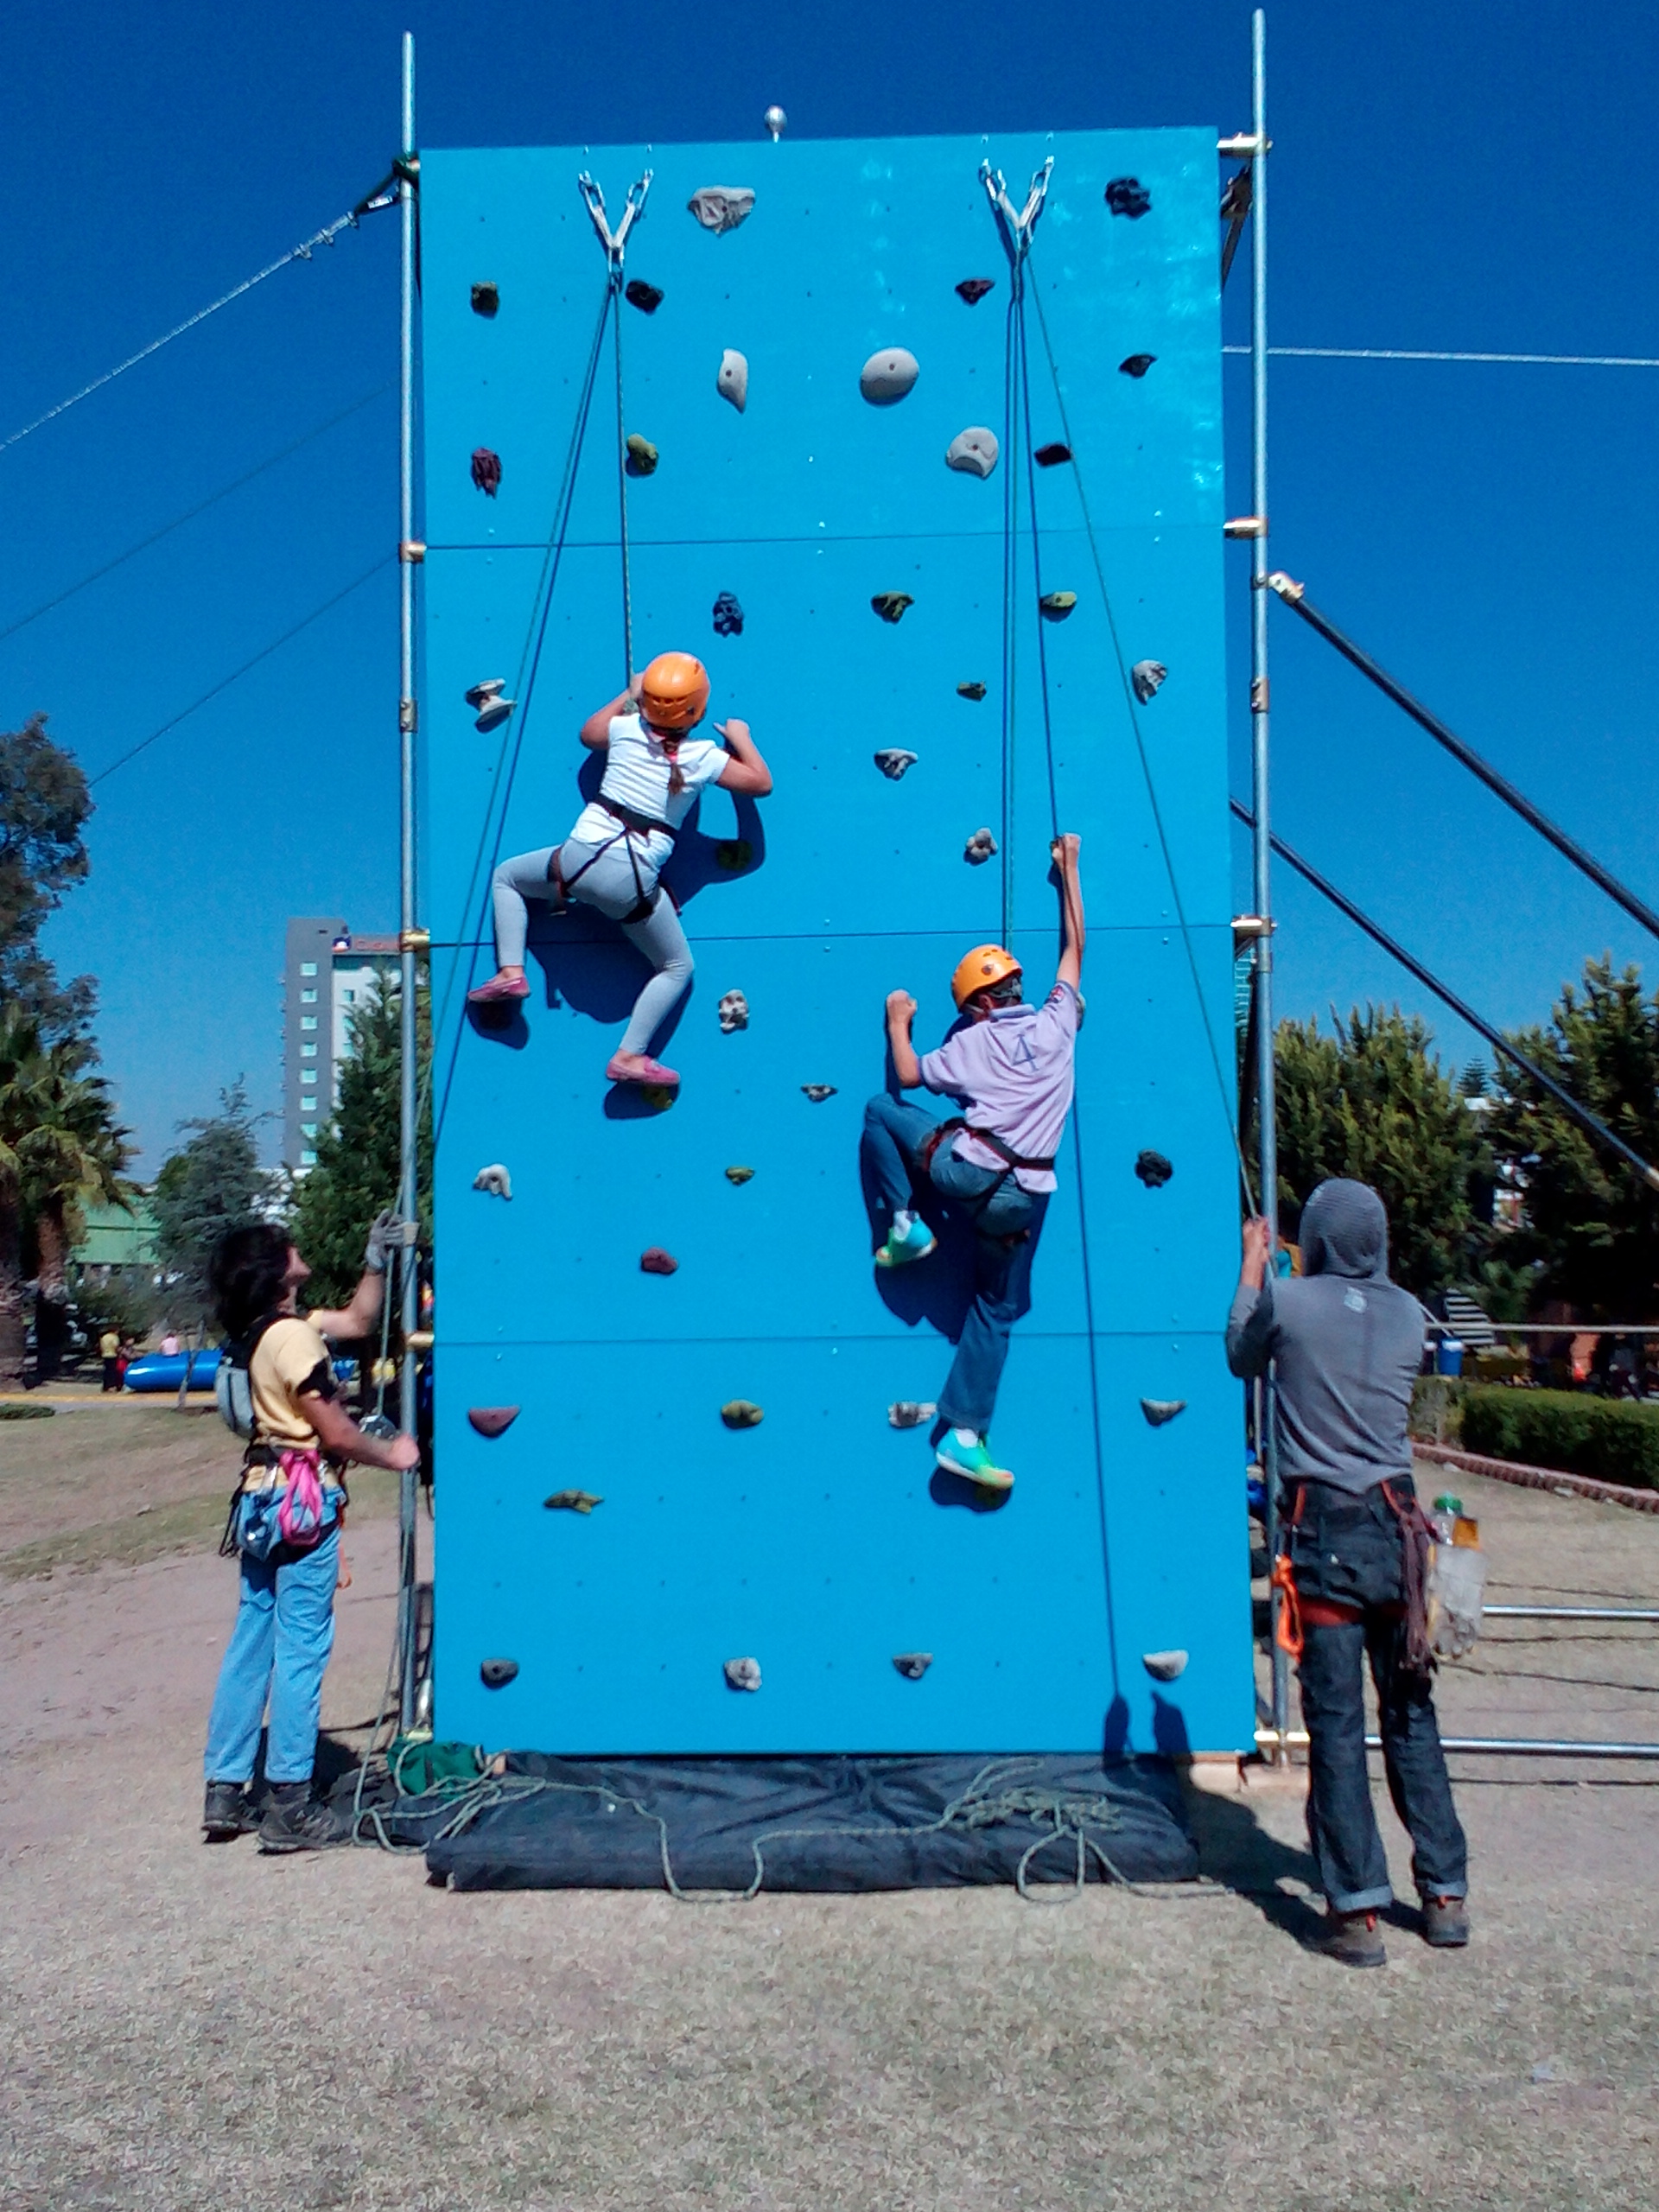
(1616, 1439)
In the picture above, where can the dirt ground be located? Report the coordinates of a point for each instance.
(186, 2026)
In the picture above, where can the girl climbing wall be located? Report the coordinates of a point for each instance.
(654, 770)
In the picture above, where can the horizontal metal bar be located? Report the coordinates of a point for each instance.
(1295, 1739)
(1570, 1612)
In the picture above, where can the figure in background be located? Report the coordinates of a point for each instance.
(655, 766)
(1009, 1065)
(1345, 1344)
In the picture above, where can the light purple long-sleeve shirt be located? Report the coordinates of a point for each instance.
(1014, 1074)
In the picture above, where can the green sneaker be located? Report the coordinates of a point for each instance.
(910, 1238)
(962, 1452)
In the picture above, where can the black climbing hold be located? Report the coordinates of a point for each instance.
(486, 298)
(486, 471)
(974, 288)
(496, 1674)
(1160, 1410)
(1051, 456)
(891, 605)
(653, 1261)
(642, 456)
(1135, 365)
(572, 1501)
(645, 297)
(733, 853)
(492, 1420)
(1153, 1169)
(728, 616)
(912, 1665)
(970, 691)
(1127, 195)
(742, 1413)
(909, 1412)
(740, 1174)
(892, 760)
(817, 1092)
(1056, 605)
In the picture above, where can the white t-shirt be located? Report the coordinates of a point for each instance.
(636, 770)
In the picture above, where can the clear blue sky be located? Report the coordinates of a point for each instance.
(1473, 177)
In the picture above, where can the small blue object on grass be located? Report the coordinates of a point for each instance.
(1448, 1356)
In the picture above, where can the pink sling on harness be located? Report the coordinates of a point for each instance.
(299, 1516)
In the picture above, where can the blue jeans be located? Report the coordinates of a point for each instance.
(278, 1648)
(1348, 1551)
(1006, 1221)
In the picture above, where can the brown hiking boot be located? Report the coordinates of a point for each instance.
(1445, 1922)
(1351, 1939)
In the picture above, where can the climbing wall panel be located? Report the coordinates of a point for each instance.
(821, 1542)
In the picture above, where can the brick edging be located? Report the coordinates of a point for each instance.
(1509, 1470)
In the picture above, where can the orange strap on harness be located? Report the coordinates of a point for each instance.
(1287, 1628)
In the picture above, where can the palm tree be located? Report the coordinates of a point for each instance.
(20, 1049)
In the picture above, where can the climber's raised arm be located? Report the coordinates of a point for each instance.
(746, 773)
(596, 730)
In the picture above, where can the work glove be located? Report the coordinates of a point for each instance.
(385, 1238)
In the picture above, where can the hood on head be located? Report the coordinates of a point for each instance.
(1344, 1230)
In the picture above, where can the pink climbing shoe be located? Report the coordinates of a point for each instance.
(649, 1071)
(499, 989)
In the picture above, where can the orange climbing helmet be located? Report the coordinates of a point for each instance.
(980, 969)
(674, 692)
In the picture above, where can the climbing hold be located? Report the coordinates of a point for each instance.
(485, 699)
(740, 1174)
(496, 1674)
(572, 1501)
(645, 297)
(642, 455)
(741, 1412)
(1147, 676)
(1127, 195)
(973, 452)
(721, 206)
(653, 1261)
(492, 1420)
(659, 1097)
(888, 376)
(1056, 605)
(817, 1092)
(912, 1665)
(734, 1012)
(733, 853)
(728, 616)
(891, 605)
(1160, 1410)
(1164, 1666)
(974, 288)
(1153, 1169)
(980, 846)
(775, 122)
(970, 691)
(742, 1674)
(495, 1179)
(909, 1413)
(1136, 364)
(1051, 456)
(731, 381)
(486, 298)
(893, 761)
(486, 471)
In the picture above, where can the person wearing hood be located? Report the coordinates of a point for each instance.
(1345, 1345)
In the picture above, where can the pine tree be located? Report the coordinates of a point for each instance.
(214, 1183)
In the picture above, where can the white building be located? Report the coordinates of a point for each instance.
(327, 974)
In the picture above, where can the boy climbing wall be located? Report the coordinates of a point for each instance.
(1010, 1066)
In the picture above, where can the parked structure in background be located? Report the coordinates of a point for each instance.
(325, 975)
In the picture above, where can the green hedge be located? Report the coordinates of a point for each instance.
(1613, 1438)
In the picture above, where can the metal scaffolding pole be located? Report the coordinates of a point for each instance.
(407, 1204)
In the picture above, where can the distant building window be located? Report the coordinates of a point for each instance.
(307, 1022)
(307, 1160)
(307, 998)
(307, 1051)
(350, 997)
(307, 1105)
(308, 1129)
(308, 967)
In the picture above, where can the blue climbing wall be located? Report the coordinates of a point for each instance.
(820, 1543)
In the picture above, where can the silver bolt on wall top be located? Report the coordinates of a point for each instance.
(776, 122)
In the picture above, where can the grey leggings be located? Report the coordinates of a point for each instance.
(610, 887)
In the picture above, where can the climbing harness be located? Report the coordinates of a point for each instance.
(615, 245)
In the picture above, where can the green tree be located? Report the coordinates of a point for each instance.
(44, 804)
(1591, 1225)
(358, 1166)
(211, 1184)
(1371, 1101)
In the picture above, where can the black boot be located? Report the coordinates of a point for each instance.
(296, 1821)
(227, 1813)
(1351, 1939)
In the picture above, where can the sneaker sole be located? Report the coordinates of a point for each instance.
(981, 1480)
(905, 1259)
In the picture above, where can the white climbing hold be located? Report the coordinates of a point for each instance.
(743, 1674)
(487, 702)
(495, 1179)
(1164, 1666)
(912, 1665)
(1160, 1410)
(733, 381)
(893, 761)
(1147, 676)
(909, 1412)
(888, 376)
(973, 452)
(734, 1011)
(979, 848)
(721, 206)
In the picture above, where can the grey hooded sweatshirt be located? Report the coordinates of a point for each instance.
(1346, 1344)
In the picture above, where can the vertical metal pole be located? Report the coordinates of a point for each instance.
(408, 1193)
(1267, 1441)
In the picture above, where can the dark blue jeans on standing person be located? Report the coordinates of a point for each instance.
(1347, 1551)
(1006, 1221)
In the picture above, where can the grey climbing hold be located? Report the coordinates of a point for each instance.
(909, 1412)
(974, 288)
(1136, 364)
(486, 471)
(733, 853)
(973, 451)
(734, 1012)
(742, 1674)
(893, 761)
(731, 381)
(496, 1674)
(970, 691)
(485, 699)
(642, 455)
(645, 297)
(1164, 1666)
(653, 1261)
(487, 299)
(817, 1092)
(492, 1420)
(891, 605)
(740, 1174)
(1127, 195)
(1146, 676)
(495, 1179)
(572, 1501)
(1051, 456)
(1160, 1410)
(742, 1413)
(1056, 605)
(728, 616)
(912, 1665)
(1153, 1169)
(888, 376)
(981, 846)
(721, 206)
(775, 122)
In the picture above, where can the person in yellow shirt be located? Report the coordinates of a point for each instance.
(109, 1351)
